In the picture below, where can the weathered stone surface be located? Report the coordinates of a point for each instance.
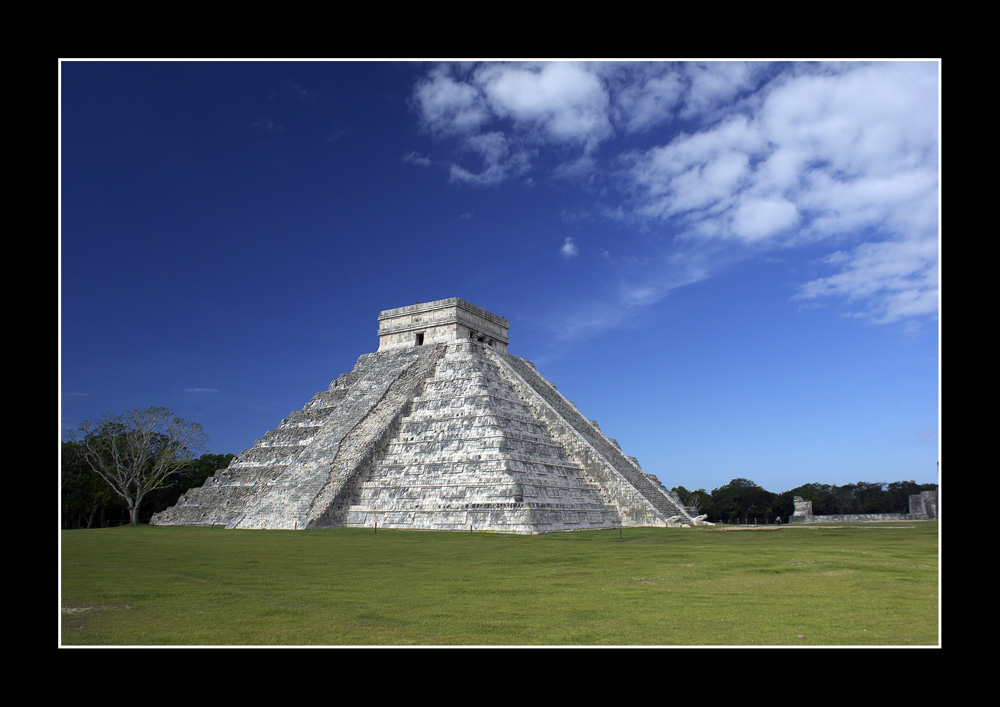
(445, 430)
(440, 322)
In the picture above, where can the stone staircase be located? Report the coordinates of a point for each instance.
(470, 455)
(274, 483)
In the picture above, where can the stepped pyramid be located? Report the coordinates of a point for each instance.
(440, 429)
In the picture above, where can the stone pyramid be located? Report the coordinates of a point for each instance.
(440, 429)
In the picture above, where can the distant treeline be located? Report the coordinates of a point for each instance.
(88, 502)
(741, 500)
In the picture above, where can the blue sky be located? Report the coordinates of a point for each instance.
(732, 266)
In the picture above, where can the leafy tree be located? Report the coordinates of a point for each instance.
(86, 499)
(869, 497)
(698, 500)
(139, 451)
(741, 498)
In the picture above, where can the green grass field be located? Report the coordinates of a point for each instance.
(867, 585)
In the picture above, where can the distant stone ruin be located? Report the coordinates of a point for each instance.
(923, 506)
(440, 429)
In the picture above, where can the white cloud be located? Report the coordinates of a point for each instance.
(501, 112)
(569, 248)
(415, 158)
(498, 160)
(870, 119)
(562, 101)
(767, 154)
(450, 106)
(888, 280)
(755, 218)
(715, 84)
(847, 152)
(696, 171)
(905, 202)
(650, 102)
(850, 148)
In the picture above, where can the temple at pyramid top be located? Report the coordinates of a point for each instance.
(440, 322)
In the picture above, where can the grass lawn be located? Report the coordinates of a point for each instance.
(873, 584)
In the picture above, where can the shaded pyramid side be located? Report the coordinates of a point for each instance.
(470, 454)
(275, 483)
(620, 476)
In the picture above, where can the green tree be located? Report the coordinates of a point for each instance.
(139, 451)
(741, 498)
(86, 499)
(870, 497)
(699, 500)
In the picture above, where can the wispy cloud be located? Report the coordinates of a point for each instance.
(416, 158)
(201, 390)
(632, 286)
(569, 248)
(884, 282)
(267, 125)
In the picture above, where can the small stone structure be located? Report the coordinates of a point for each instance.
(441, 429)
(923, 506)
(441, 322)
